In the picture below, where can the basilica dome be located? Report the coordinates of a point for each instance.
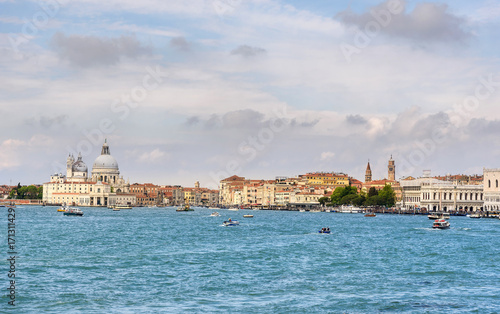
(105, 162)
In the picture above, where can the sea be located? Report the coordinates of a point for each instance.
(157, 260)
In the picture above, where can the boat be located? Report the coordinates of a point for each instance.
(122, 207)
(215, 214)
(63, 208)
(73, 212)
(438, 216)
(247, 216)
(234, 208)
(230, 222)
(440, 224)
(474, 216)
(184, 208)
(370, 215)
(116, 209)
(325, 230)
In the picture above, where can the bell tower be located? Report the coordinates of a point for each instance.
(391, 170)
(368, 173)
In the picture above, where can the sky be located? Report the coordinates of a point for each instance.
(200, 90)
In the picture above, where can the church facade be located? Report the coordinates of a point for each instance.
(104, 187)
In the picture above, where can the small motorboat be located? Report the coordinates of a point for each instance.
(73, 212)
(247, 216)
(215, 214)
(122, 207)
(63, 208)
(185, 208)
(325, 230)
(440, 224)
(230, 222)
(474, 216)
(370, 215)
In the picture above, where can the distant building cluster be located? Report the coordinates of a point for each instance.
(450, 193)
(299, 192)
(106, 187)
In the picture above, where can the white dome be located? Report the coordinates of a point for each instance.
(105, 162)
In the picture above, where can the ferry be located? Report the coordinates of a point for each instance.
(441, 224)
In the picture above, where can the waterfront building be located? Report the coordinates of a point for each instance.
(104, 187)
(326, 179)
(229, 187)
(491, 185)
(443, 196)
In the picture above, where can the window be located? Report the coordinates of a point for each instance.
(497, 183)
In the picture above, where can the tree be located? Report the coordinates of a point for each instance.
(372, 192)
(340, 192)
(323, 200)
(387, 196)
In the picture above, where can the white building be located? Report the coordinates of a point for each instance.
(104, 188)
(491, 178)
(436, 195)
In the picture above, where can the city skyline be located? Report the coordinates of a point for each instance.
(203, 90)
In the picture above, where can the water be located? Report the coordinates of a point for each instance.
(159, 260)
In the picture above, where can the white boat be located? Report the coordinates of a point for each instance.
(474, 216)
(215, 214)
(231, 223)
(440, 224)
(350, 209)
(234, 208)
(438, 216)
(122, 207)
(247, 216)
(73, 212)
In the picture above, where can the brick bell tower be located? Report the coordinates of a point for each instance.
(391, 170)
(368, 173)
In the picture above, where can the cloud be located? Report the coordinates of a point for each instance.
(152, 156)
(88, 51)
(247, 51)
(428, 22)
(327, 156)
(238, 119)
(356, 119)
(48, 122)
(180, 43)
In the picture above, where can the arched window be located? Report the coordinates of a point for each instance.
(497, 183)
